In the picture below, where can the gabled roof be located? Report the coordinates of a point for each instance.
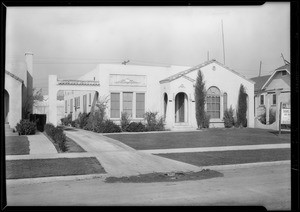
(286, 67)
(14, 76)
(183, 73)
(259, 82)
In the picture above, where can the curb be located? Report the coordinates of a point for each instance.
(12, 182)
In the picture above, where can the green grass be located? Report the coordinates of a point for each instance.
(230, 157)
(73, 146)
(16, 145)
(206, 138)
(18, 169)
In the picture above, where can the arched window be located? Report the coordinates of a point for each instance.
(225, 101)
(213, 102)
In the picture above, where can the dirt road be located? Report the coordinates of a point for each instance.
(268, 186)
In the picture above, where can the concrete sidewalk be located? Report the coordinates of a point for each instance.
(40, 144)
(120, 160)
(215, 149)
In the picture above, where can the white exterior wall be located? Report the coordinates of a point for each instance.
(14, 89)
(224, 79)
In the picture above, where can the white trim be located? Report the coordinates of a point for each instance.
(273, 76)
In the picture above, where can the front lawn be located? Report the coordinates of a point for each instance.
(17, 169)
(205, 138)
(16, 145)
(230, 157)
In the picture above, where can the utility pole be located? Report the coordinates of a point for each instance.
(223, 43)
(207, 55)
(260, 68)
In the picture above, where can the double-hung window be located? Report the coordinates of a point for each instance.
(115, 105)
(140, 105)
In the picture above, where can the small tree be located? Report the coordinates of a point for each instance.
(31, 101)
(242, 108)
(200, 95)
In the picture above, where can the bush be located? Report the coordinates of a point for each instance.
(82, 120)
(94, 122)
(57, 135)
(206, 121)
(136, 127)
(66, 120)
(154, 123)
(125, 121)
(242, 108)
(25, 127)
(228, 118)
(262, 118)
(110, 127)
(50, 129)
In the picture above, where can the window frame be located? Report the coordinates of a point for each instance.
(119, 109)
(213, 101)
(136, 103)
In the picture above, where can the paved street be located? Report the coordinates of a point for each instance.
(267, 185)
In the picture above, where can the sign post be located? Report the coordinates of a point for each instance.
(284, 116)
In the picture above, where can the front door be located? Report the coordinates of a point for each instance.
(179, 107)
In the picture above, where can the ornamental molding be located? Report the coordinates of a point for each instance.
(78, 82)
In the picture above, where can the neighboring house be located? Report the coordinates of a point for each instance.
(18, 85)
(42, 107)
(167, 90)
(270, 91)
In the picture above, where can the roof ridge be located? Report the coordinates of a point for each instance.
(14, 76)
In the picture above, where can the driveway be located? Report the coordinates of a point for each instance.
(119, 159)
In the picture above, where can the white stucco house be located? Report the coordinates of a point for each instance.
(18, 85)
(167, 90)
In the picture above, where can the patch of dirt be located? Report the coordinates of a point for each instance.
(166, 177)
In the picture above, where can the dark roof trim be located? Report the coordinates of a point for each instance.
(14, 76)
(78, 82)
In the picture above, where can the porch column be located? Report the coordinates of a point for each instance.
(52, 92)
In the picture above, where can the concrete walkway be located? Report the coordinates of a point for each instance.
(119, 159)
(40, 144)
(215, 149)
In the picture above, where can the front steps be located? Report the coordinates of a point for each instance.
(183, 127)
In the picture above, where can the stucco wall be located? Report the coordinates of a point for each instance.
(14, 89)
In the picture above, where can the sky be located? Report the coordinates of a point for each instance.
(71, 41)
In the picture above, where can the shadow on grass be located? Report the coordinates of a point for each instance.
(166, 177)
(276, 132)
(69, 129)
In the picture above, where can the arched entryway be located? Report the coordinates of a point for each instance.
(165, 105)
(6, 105)
(181, 108)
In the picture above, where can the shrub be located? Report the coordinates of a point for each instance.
(110, 127)
(242, 108)
(94, 121)
(136, 127)
(154, 123)
(82, 120)
(262, 118)
(57, 135)
(206, 121)
(66, 120)
(125, 121)
(228, 118)
(25, 127)
(50, 129)
(200, 95)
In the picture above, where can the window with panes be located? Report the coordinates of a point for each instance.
(213, 102)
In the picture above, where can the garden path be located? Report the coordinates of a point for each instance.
(40, 144)
(119, 159)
